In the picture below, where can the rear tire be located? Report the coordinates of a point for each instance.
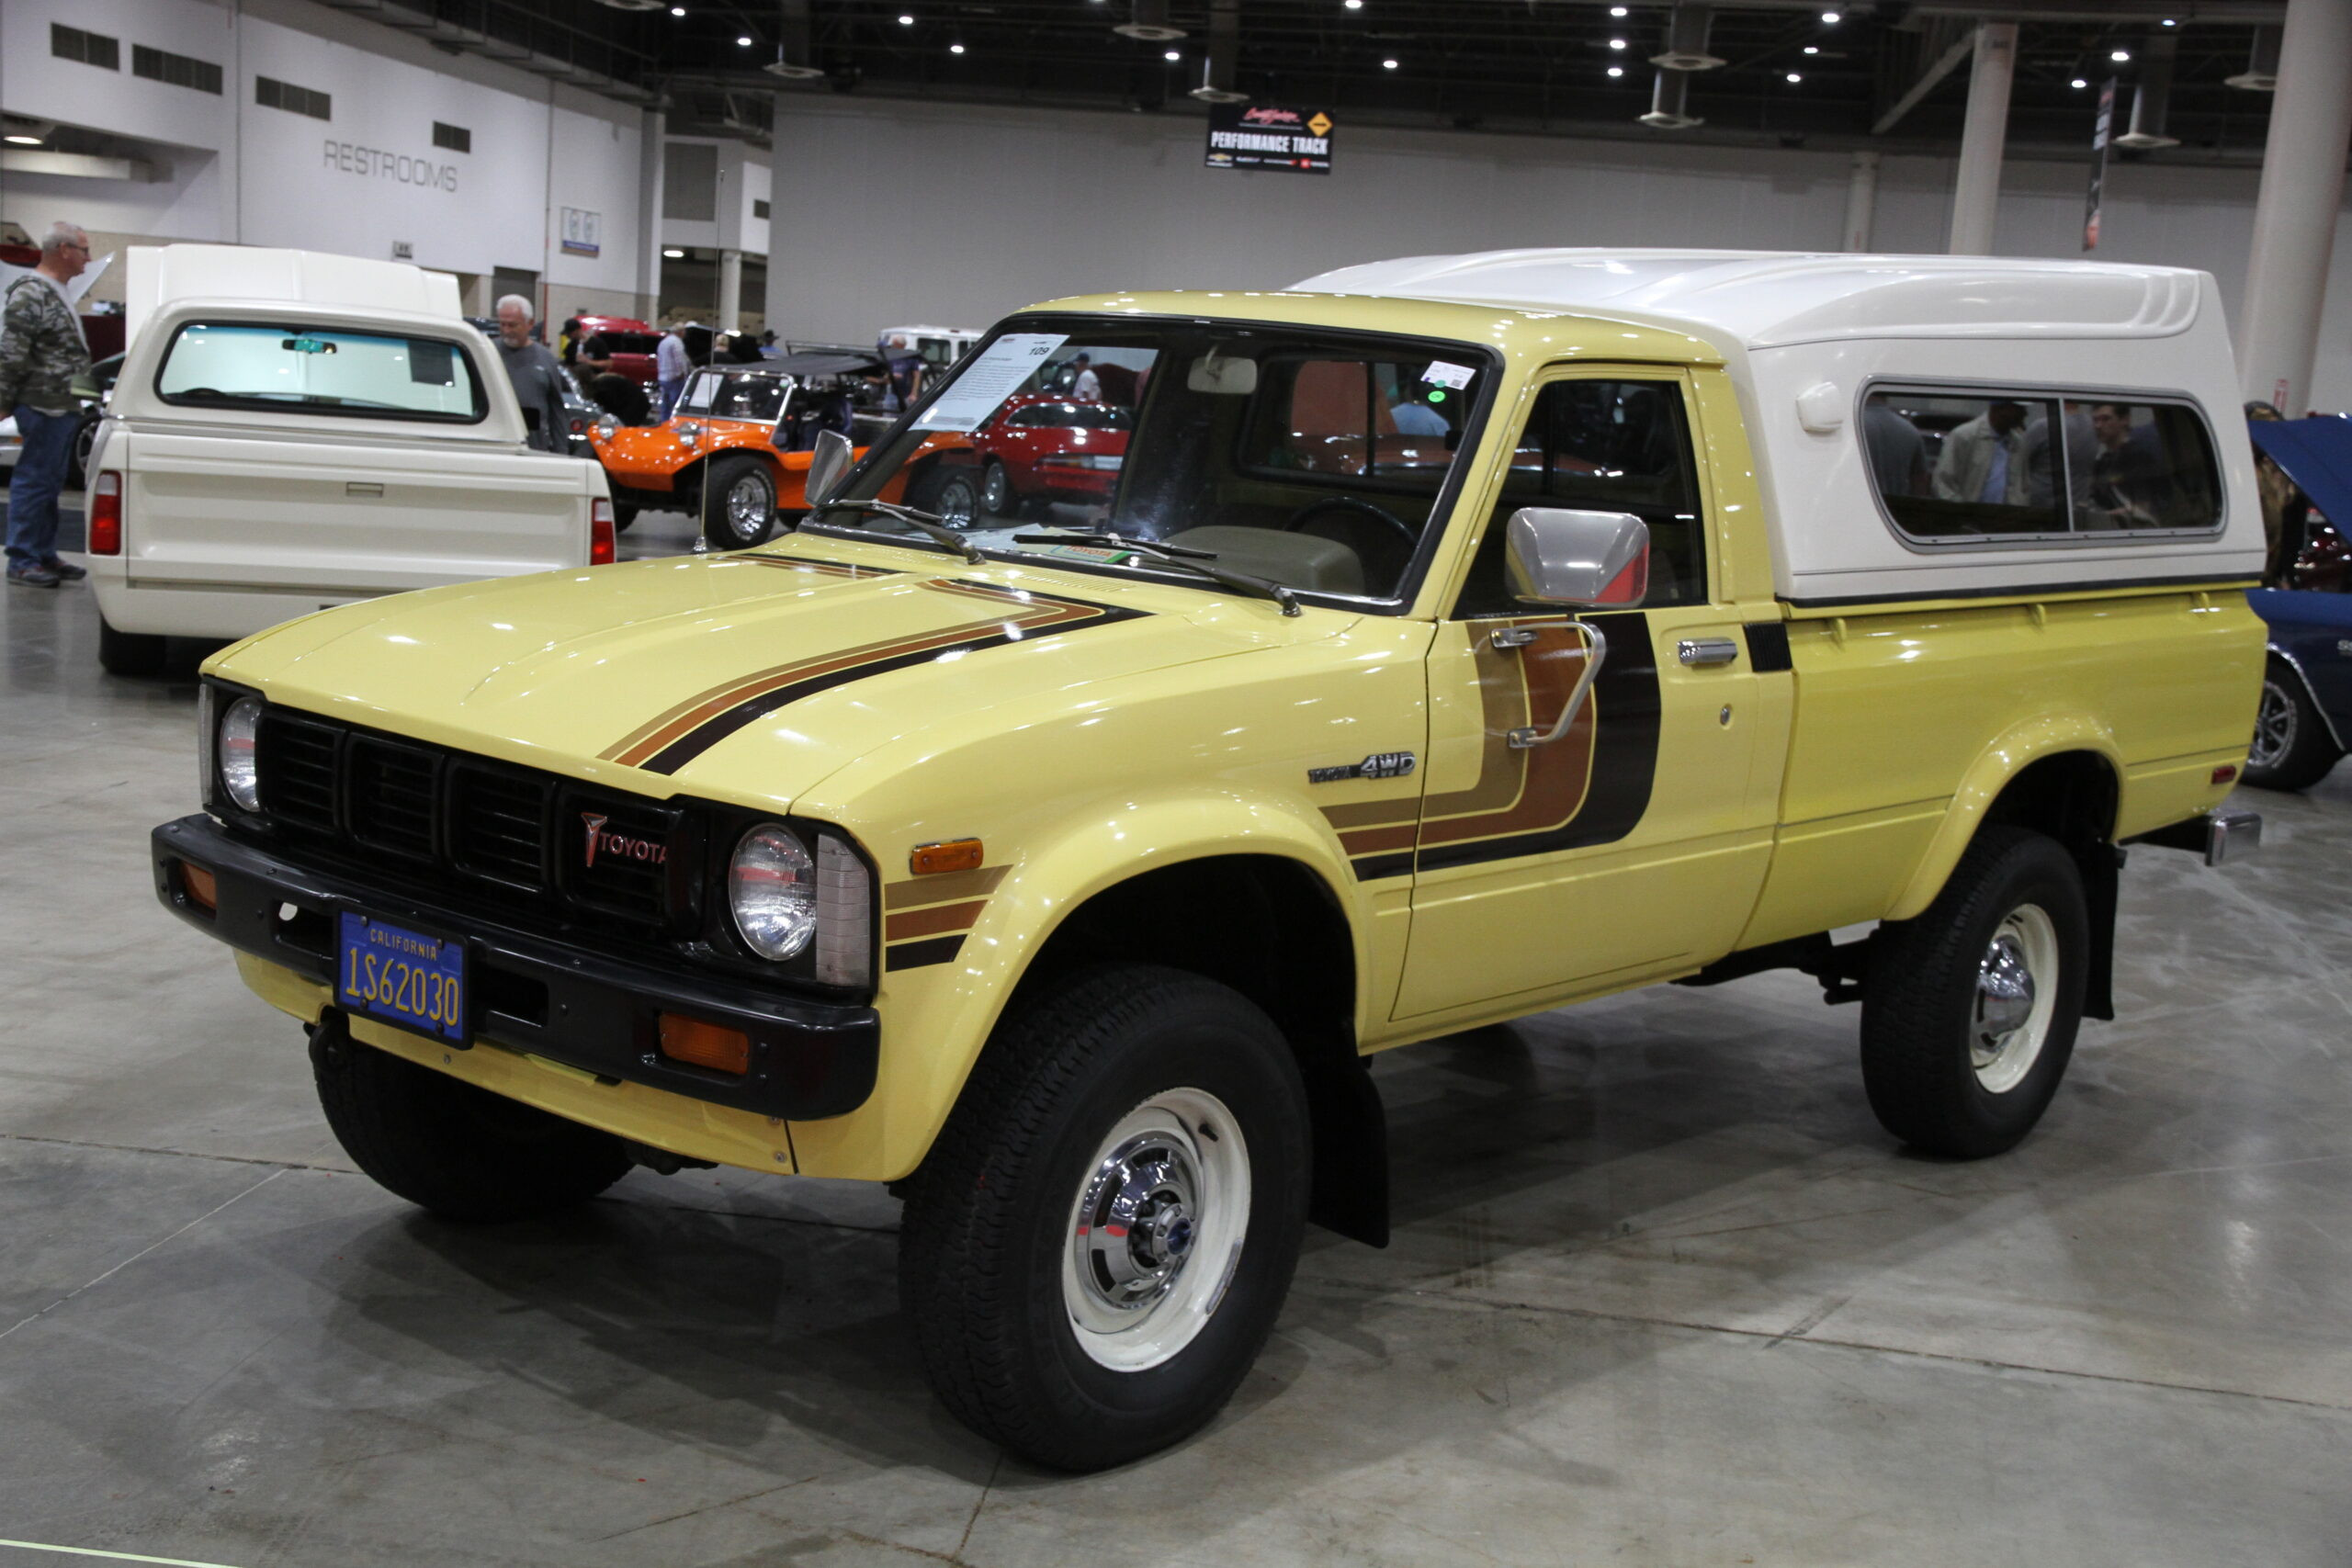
(1073, 1257)
(738, 503)
(129, 653)
(1969, 1011)
(997, 498)
(463, 1153)
(2291, 747)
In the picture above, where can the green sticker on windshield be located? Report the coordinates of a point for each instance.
(306, 346)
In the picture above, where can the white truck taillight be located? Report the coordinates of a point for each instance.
(600, 532)
(106, 514)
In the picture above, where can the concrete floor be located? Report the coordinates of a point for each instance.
(1662, 1292)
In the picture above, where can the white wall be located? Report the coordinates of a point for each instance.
(1113, 201)
(359, 183)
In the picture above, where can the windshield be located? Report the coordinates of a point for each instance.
(718, 395)
(1308, 457)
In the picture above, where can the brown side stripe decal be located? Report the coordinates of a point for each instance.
(928, 916)
(671, 740)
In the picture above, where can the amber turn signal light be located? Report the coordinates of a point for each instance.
(202, 891)
(705, 1044)
(955, 854)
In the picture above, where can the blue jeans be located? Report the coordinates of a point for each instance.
(32, 488)
(670, 390)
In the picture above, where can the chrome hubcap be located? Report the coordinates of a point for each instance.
(1156, 1230)
(2013, 1002)
(998, 494)
(2274, 728)
(747, 505)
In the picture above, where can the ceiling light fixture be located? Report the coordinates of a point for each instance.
(1616, 10)
(1352, 5)
(22, 140)
(1389, 65)
(906, 21)
(1149, 23)
(1794, 78)
(2170, 23)
(1174, 55)
(1616, 43)
(2120, 56)
(1616, 71)
(674, 255)
(677, 10)
(2080, 82)
(955, 49)
(1809, 50)
(1831, 18)
(745, 42)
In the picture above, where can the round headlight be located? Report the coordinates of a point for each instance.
(771, 889)
(607, 427)
(240, 764)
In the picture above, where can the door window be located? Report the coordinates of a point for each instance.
(1614, 445)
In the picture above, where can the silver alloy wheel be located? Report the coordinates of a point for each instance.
(996, 491)
(2274, 726)
(748, 505)
(959, 501)
(1156, 1230)
(2016, 993)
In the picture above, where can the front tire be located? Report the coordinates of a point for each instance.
(738, 503)
(1970, 1010)
(2291, 747)
(463, 1153)
(997, 498)
(1102, 1236)
(129, 653)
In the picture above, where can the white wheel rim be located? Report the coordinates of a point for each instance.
(2274, 728)
(1156, 1231)
(2016, 992)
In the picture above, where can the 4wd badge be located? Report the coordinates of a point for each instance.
(1379, 765)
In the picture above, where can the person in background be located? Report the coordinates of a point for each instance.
(42, 351)
(906, 373)
(1088, 387)
(1415, 417)
(1898, 452)
(1978, 459)
(594, 355)
(569, 343)
(768, 349)
(671, 365)
(538, 383)
(2039, 456)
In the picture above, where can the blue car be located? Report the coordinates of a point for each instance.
(2306, 712)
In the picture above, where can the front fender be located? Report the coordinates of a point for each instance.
(935, 1020)
(2002, 761)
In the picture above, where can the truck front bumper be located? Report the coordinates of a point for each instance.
(597, 1011)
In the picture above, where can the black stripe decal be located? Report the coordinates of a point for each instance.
(1372, 868)
(1768, 646)
(921, 954)
(1625, 756)
(705, 736)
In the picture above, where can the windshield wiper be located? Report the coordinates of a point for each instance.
(946, 538)
(1201, 562)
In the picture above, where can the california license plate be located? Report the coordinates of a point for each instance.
(403, 976)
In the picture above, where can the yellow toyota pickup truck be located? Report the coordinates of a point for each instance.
(1442, 641)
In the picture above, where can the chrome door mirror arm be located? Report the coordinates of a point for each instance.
(1596, 650)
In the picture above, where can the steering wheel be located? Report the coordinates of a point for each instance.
(1298, 520)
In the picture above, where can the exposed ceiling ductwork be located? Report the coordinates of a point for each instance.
(1149, 23)
(1685, 52)
(2152, 99)
(1219, 67)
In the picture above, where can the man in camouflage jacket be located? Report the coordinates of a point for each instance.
(42, 351)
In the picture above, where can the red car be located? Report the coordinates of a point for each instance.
(628, 342)
(1038, 449)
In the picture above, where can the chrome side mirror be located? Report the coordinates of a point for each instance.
(828, 461)
(1578, 559)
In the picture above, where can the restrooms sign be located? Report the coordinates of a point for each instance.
(375, 162)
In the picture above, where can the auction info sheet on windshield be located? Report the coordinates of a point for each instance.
(988, 378)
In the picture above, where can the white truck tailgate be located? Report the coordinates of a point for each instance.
(342, 519)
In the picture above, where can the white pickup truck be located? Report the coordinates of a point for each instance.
(293, 431)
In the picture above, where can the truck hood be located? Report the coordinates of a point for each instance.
(749, 676)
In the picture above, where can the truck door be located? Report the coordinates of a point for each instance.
(1633, 845)
(306, 462)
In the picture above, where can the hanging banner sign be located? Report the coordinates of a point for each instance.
(1260, 135)
(2100, 137)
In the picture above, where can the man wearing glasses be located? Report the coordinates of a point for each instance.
(42, 351)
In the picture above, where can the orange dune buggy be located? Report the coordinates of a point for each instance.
(734, 454)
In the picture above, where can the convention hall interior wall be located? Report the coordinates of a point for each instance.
(223, 167)
(1032, 204)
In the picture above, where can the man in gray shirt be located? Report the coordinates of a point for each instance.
(538, 385)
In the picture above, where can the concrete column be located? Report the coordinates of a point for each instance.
(730, 289)
(781, 319)
(652, 132)
(1861, 202)
(2295, 216)
(1977, 191)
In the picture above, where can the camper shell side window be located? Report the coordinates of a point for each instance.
(1954, 467)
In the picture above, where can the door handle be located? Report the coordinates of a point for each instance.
(1696, 650)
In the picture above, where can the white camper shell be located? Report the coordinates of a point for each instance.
(392, 458)
(1807, 338)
